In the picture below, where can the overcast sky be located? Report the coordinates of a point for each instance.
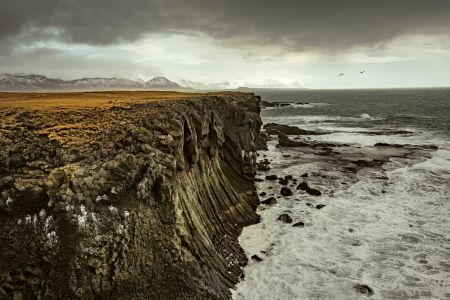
(399, 43)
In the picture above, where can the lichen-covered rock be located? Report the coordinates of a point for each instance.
(141, 200)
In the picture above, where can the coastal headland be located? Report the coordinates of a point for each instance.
(136, 195)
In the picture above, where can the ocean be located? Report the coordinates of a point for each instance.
(386, 219)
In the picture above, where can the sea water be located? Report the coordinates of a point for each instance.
(387, 227)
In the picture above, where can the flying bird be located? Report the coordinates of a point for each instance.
(342, 74)
(362, 72)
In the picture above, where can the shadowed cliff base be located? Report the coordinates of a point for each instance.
(136, 195)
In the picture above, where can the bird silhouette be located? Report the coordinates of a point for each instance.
(362, 72)
(342, 74)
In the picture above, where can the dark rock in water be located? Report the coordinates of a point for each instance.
(263, 165)
(273, 128)
(365, 163)
(261, 141)
(320, 206)
(299, 224)
(304, 175)
(256, 258)
(269, 201)
(258, 179)
(313, 192)
(388, 145)
(285, 191)
(271, 177)
(351, 230)
(285, 218)
(303, 186)
(288, 177)
(283, 181)
(262, 194)
(363, 289)
(309, 204)
(284, 141)
(265, 104)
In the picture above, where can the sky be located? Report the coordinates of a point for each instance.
(258, 43)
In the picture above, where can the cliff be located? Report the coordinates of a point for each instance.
(127, 195)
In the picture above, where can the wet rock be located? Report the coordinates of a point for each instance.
(283, 181)
(261, 141)
(299, 224)
(269, 201)
(351, 230)
(265, 104)
(263, 165)
(363, 289)
(309, 204)
(388, 145)
(285, 218)
(284, 141)
(262, 194)
(271, 177)
(304, 175)
(285, 191)
(313, 192)
(320, 206)
(288, 177)
(305, 187)
(256, 258)
(258, 179)
(273, 128)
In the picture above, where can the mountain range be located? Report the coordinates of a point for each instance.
(33, 82)
(29, 82)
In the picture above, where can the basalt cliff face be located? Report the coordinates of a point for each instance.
(127, 200)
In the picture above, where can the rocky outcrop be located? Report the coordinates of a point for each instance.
(131, 201)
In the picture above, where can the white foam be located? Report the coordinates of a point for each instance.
(400, 246)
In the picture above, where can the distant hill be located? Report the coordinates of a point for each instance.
(103, 83)
(28, 82)
(161, 83)
(32, 82)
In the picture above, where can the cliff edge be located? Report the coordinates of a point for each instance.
(126, 195)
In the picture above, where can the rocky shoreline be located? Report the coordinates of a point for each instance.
(127, 198)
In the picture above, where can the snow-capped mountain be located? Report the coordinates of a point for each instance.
(161, 83)
(103, 83)
(28, 82)
(31, 82)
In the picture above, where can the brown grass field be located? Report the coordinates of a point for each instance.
(75, 118)
(85, 99)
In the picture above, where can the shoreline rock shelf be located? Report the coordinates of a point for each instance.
(122, 198)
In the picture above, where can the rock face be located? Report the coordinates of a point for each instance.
(137, 200)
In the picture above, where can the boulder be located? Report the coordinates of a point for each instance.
(364, 289)
(283, 181)
(256, 258)
(271, 177)
(269, 201)
(305, 187)
(320, 206)
(274, 128)
(285, 218)
(285, 191)
(299, 224)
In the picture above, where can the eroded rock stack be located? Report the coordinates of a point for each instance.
(132, 201)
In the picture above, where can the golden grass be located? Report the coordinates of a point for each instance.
(85, 99)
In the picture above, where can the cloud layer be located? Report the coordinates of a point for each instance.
(294, 25)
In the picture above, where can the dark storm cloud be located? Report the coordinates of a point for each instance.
(295, 24)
